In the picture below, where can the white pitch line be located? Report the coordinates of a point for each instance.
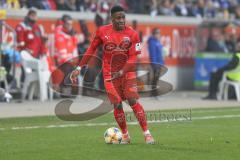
(212, 110)
(108, 124)
(215, 117)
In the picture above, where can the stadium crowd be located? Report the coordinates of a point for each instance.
(191, 8)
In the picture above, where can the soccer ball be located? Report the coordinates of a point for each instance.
(113, 136)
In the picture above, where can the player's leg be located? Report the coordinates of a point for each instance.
(114, 95)
(120, 117)
(131, 94)
(121, 121)
(141, 117)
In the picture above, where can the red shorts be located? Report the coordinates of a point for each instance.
(122, 88)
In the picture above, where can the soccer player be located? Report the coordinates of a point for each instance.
(121, 46)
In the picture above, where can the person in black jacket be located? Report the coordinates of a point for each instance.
(216, 77)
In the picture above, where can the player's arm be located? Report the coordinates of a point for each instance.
(20, 37)
(87, 56)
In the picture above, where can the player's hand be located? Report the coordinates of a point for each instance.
(74, 75)
(115, 75)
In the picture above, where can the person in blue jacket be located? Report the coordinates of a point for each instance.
(155, 49)
(9, 57)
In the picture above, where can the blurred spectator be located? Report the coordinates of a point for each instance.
(35, 4)
(155, 49)
(81, 5)
(195, 8)
(216, 42)
(99, 21)
(237, 12)
(230, 42)
(104, 6)
(39, 4)
(222, 10)
(30, 36)
(9, 57)
(61, 5)
(49, 4)
(71, 5)
(23, 3)
(230, 37)
(216, 77)
(180, 8)
(3, 4)
(210, 11)
(91, 73)
(93, 5)
(66, 55)
(65, 41)
(136, 6)
(108, 19)
(12, 55)
(200, 9)
(13, 4)
(166, 8)
(135, 27)
(152, 7)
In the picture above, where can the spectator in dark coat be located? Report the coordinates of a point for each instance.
(216, 77)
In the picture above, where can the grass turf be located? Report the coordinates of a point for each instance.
(216, 138)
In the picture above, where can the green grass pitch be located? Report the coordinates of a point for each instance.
(212, 134)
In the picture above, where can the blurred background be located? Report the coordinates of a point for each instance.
(197, 37)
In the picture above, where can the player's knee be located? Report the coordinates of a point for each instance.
(132, 102)
(118, 106)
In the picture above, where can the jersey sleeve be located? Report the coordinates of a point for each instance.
(20, 36)
(92, 48)
(136, 45)
(43, 47)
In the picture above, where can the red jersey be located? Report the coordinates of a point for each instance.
(65, 46)
(119, 48)
(29, 37)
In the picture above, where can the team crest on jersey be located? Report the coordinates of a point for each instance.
(125, 44)
(107, 37)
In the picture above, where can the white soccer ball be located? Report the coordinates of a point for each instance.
(113, 136)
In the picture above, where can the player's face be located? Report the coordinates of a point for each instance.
(118, 20)
(158, 34)
(68, 25)
(33, 18)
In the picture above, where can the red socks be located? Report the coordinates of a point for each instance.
(121, 120)
(140, 115)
